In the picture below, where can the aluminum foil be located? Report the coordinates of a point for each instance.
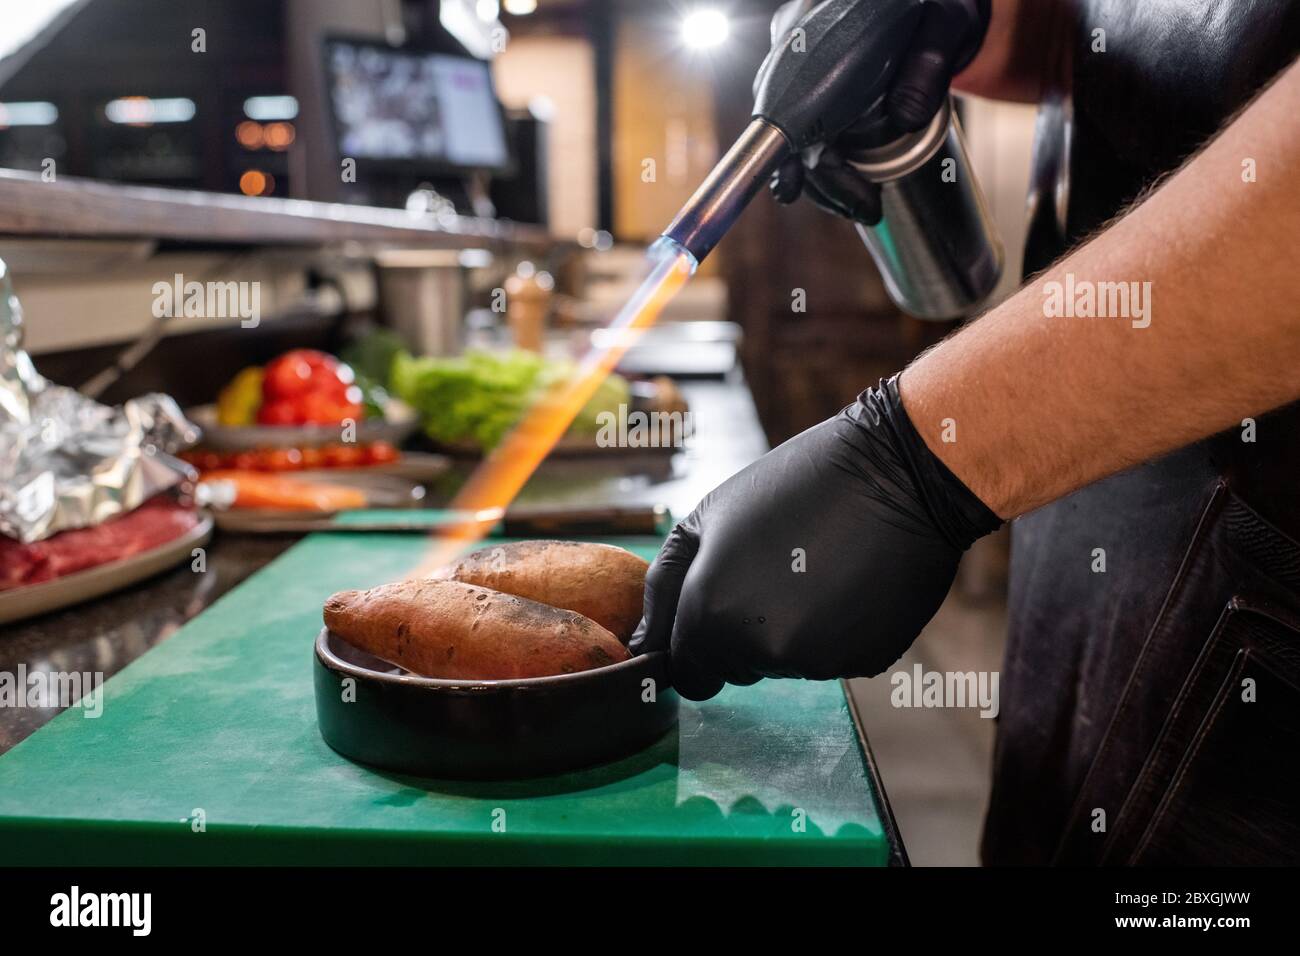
(67, 461)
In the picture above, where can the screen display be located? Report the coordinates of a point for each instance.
(401, 105)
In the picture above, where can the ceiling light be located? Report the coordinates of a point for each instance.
(142, 111)
(28, 114)
(267, 108)
(704, 28)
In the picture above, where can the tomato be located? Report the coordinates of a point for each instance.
(306, 387)
(318, 388)
(336, 383)
(279, 412)
(279, 459)
(289, 375)
(381, 453)
(313, 458)
(321, 408)
(344, 456)
(316, 359)
(203, 459)
(210, 460)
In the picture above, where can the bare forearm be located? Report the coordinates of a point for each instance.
(1009, 65)
(1026, 406)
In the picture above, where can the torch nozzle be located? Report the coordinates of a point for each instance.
(722, 197)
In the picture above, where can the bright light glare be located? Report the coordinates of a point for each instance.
(142, 111)
(267, 108)
(705, 28)
(520, 8)
(28, 114)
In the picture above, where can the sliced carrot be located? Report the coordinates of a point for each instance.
(255, 489)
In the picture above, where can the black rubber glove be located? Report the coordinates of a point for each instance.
(950, 34)
(823, 559)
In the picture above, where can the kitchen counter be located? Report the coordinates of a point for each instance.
(105, 635)
(776, 773)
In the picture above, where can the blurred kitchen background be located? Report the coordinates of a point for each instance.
(549, 114)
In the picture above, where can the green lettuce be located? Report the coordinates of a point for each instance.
(477, 397)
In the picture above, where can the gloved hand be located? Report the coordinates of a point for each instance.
(949, 36)
(823, 559)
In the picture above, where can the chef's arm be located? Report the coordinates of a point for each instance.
(827, 556)
(1012, 61)
(1025, 407)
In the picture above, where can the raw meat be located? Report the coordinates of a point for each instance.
(154, 523)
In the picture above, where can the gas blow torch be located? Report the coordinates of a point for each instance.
(935, 244)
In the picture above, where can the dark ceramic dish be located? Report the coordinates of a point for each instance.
(487, 729)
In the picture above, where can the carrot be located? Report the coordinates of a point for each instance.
(259, 490)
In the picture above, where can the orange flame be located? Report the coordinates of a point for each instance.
(496, 482)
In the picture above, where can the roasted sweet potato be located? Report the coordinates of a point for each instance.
(605, 583)
(463, 631)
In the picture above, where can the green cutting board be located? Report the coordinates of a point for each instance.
(207, 751)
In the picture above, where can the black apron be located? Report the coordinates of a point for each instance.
(1150, 714)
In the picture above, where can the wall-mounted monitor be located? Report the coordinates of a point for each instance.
(417, 110)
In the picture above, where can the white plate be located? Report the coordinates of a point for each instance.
(32, 599)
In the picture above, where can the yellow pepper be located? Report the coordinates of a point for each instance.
(239, 401)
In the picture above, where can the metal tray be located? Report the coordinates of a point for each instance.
(388, 718)
(393, 430)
